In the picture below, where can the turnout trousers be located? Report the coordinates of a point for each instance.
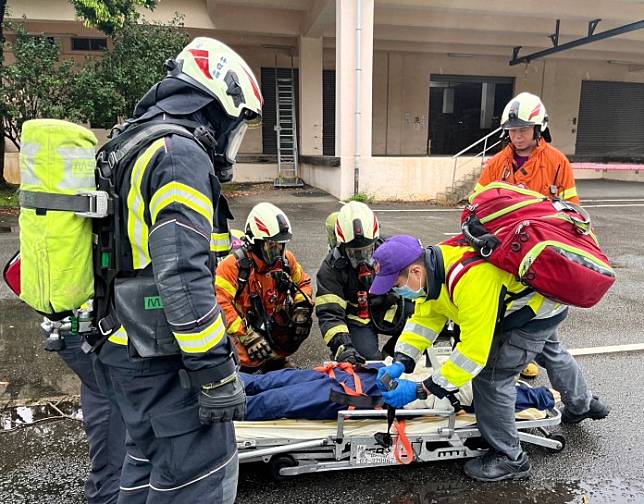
(103, 425)
(170, 456)
(495, 390)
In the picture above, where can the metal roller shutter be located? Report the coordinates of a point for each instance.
(610, 120)
(328, 112)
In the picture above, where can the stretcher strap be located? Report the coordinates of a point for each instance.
(355, 401)
(403, 451)
(348, 368)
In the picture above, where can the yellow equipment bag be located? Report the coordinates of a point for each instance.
(57, 167)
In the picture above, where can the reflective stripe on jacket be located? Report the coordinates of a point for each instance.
(475, 307)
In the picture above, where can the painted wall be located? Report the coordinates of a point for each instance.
(409, 178)
(401, 93)
(420, 178)
(327, 178)
(244, 172)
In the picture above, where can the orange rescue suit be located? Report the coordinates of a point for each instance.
(546, 167)
(261, 282)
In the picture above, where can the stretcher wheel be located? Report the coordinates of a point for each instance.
(279, 462)
(557, 437)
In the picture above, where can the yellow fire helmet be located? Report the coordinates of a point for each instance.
(356, 225)
(219, 71)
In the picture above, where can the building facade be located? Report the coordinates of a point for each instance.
(389, 90)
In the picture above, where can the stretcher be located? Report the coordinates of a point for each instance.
(354, 440)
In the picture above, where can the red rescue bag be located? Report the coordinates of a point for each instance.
(11, 274)
(548, 245)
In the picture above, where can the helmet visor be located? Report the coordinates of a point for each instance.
(272, 251)
(515, 123)
(360, 255)
(235, 140)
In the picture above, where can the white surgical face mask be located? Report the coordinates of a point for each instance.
(407, 292)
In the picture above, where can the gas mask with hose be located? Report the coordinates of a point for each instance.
(279, 327)
(356, 231)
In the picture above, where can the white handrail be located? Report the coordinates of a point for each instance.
(482, 139)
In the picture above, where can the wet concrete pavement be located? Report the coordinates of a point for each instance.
(603, 461)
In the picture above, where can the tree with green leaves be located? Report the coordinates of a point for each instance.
(109, 16)
(36, 84)
(108, 88)
(3, 11)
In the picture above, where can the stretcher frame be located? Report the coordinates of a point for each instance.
(289, 457)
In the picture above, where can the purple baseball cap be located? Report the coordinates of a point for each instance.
(391, 258)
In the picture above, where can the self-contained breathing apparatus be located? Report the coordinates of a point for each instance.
(389, 312)
(91, 313)
(285, 327)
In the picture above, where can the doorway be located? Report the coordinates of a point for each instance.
(464, 108)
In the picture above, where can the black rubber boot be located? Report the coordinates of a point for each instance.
(494, 466)
(597, 411)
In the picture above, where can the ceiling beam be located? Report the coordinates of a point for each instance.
(509, 40)
(595, 37)
(605, 9)
(256, 20)
(299, 5)
(319, 18)
(496, 52)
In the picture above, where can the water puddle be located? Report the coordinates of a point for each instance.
(19, 417)
(27, 371)
(309, 193)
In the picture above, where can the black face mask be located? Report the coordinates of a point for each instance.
(214, 133)
(223, 169)
(223, 135)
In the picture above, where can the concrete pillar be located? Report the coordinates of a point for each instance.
(310, 96)
(394, 104)
(487, 104)
(346, 107)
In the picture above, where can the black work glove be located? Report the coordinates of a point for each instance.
(348, 353)
(257, 346)
(222, 402)
(302, 320)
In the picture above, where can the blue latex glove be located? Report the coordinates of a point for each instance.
(395, 371)
(402, 395)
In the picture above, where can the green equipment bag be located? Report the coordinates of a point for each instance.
(57, 166)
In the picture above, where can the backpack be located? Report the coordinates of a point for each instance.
(69, 232)
(548, 245)
(57, 175)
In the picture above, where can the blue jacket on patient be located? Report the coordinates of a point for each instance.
(304, 394)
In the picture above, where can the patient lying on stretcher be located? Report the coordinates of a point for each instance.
(319, 394)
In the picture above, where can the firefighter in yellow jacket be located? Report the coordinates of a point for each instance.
(502, 329)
